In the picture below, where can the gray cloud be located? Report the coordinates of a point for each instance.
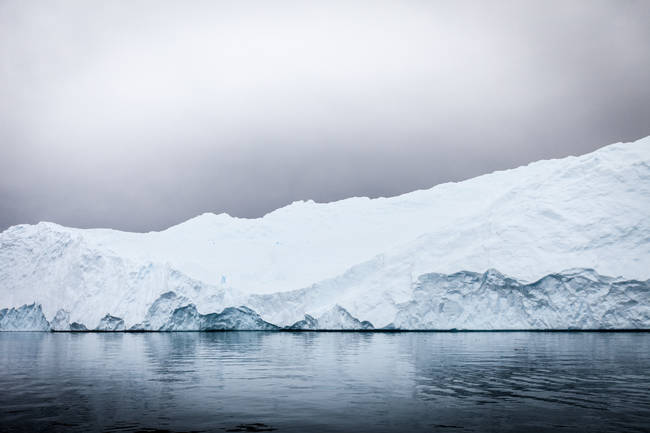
(138, 115)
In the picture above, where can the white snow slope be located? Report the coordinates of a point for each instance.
(365, 255)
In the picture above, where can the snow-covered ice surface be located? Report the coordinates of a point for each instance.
(370, 257)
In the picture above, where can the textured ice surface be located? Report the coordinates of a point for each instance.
(171, 312)
(110, 323)
(61, 321)
(25, 318)
(575, 299)
(187, 318)
(337, 318)
(308, 323)
(160, 311)
(364, 255)
(74, 326)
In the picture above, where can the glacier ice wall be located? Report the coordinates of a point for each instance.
(575, 299)
(365, 255)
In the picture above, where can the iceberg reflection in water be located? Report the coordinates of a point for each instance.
(260, 381)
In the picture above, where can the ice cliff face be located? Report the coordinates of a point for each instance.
(161, 311)
(335, 319)
(25, 318)
(61, 322)
(171, 312)
(366, 256)
(110, 323)
(306, 324)
(187, 318)
(575, 299)
(67, 272)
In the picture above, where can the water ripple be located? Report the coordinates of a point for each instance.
(325, 382)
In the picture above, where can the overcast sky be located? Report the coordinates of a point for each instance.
(138, 115)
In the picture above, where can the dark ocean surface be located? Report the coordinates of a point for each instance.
(338, 382)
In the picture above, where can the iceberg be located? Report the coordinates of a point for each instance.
(414, 261)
